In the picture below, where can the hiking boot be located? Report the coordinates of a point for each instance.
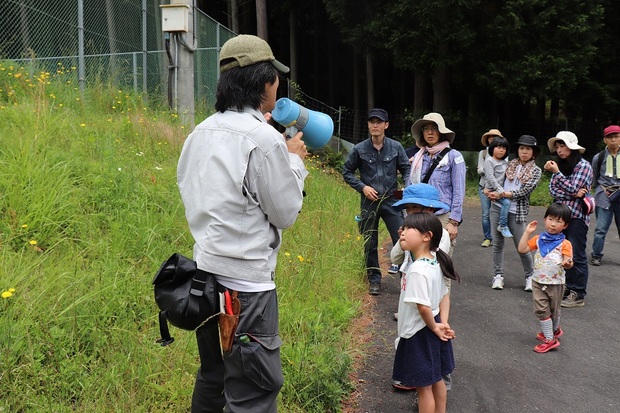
(573, 300)
(505, 231)
(596, 261)
(374, 289)
(528, 284)
(393, 269)
(547, 345)
(498, 283)
(556, 334)
(486, 243)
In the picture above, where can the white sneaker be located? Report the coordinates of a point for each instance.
(498, 283)
(528, 283)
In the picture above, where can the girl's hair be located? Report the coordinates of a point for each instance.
(242, 87)
(501, 142)
(424, 223)
(567, 166)
(558, 210)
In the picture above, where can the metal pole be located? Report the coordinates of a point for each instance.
(81, 76)
(144, 49)
(339, 124)
(134, 60)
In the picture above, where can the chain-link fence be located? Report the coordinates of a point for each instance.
(117, 42)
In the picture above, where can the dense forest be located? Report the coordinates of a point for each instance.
(524, 66)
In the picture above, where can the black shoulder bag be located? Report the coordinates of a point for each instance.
(434, 164)
(185, 295)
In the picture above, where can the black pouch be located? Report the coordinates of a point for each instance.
(185, 295)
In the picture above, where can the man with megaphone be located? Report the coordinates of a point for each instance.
(379, 159)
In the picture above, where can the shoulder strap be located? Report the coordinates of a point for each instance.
(596, 167)
(434, 164)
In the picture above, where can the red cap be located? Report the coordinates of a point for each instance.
(611, 129)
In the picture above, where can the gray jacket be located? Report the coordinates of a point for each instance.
(240, 187)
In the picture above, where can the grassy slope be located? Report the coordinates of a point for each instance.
(89, 209)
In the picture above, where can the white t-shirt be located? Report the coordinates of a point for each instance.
(422, 284)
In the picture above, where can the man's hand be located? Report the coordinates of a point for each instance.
(297, 146)
(370, 193)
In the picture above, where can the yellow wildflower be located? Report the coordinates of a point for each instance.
(6, 294)
(33, 242)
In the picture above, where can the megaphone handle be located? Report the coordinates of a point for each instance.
(290, 132)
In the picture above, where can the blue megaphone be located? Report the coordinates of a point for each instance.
(317, 127)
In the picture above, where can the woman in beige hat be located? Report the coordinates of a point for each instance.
(571, 179)
(446, 165)
(485, 202)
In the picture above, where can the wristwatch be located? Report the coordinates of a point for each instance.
(453, 222)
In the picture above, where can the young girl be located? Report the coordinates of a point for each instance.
(485, 202)
(494, 177)
(423, 347)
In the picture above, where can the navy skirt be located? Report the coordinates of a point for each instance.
(423, 359)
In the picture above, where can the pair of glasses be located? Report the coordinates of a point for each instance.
(430, 128)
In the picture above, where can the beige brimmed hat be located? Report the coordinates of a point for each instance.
(491, 132)
(569, 139)
(245, 50)
(437, 119)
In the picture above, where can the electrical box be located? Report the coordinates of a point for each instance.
(174, 17)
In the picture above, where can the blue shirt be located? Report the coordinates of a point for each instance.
(377, 168)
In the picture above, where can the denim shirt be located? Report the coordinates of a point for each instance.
(378, 169)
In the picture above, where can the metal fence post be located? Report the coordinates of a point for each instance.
(81, 75)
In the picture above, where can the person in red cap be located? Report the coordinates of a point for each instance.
(606, 184)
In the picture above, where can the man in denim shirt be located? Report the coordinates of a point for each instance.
(378, 159)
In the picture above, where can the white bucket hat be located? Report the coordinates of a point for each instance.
(436, 118)
(569, 139)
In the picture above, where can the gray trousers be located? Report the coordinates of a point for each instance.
(250, 377)
(517, 230)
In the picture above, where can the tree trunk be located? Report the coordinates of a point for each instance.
(441, 90)
(233, 15)
(261, 19)
(292, 25)
(370, 81)
(420, 90)
(356, 100)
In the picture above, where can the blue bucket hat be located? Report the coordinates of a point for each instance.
(421, 194)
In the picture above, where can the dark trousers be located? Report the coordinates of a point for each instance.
(577, 277)
(250, 377)
(369, 228)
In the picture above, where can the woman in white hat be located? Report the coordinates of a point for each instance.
(440, 166)
(485, 202)
(571, 179)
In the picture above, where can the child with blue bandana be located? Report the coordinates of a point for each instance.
(554, 254)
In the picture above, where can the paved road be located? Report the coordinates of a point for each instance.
(497, 369)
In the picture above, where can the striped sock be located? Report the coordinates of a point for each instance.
(547, 328)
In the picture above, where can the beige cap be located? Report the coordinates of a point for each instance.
(246, 50)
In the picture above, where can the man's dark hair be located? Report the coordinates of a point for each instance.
(558, 210)
(501, 142)
(241, 87)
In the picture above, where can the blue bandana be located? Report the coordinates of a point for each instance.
(548, 242)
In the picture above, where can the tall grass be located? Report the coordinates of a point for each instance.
(89, 209)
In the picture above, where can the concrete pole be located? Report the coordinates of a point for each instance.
(185, 44)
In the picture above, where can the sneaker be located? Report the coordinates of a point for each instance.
(374, 289)
(596, 261)
(400, 386)
(556, 334)
(547, 345)
(573, 300)
(393, 269)
(498, 283)
(528, 283)
(505, 232)
(486, 243)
